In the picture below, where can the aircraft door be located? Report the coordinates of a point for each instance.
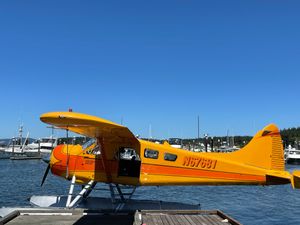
(129, 162)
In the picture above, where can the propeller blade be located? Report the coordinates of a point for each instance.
(45, 174)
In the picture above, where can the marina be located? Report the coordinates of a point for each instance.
(23, 178)
(117, 168)
(19, 148)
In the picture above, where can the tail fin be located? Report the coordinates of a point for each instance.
(265, 150)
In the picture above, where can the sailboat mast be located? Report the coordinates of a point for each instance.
(198, 129)
(20, 134)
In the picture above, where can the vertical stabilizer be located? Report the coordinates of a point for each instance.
(265, 150)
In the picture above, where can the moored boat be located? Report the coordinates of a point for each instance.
(292, 155)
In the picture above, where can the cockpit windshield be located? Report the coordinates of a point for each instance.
(88, 143)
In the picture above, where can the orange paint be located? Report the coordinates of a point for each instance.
(197, 173)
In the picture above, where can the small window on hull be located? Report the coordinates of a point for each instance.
(152, 154)
(170, 157)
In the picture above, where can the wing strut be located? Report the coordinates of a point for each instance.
(104, 160)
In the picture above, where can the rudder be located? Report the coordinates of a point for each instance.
(265, 150)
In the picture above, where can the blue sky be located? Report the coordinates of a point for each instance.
(236, 64)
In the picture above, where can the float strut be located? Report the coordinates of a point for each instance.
(71, 191)
(81, 194)
(86, 194)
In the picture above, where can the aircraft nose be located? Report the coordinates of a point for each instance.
(55, 155)
(57, 161)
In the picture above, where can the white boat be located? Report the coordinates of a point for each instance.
(292, 155)
(19, 146)
(175, 142)
(11, 150)
(16, 145)
(227, 148)
(42, 145)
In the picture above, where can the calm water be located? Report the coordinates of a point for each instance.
(248, 204)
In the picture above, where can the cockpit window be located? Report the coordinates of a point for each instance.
(88, 144)
(92, 147)
(95, 151)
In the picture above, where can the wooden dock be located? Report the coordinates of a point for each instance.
(146, 217)
(184, 217)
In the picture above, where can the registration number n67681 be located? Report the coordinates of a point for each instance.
(199, 162)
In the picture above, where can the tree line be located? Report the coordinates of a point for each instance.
(291, 136)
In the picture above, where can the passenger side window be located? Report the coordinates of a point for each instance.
(152, 154)
(170, 157)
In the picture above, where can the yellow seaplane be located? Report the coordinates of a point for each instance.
(114, 155)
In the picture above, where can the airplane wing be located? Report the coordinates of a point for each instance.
(87, 125)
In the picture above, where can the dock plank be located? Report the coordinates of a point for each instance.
(152, 219)
(214, 219)
(176, 220)
(180, 218)
(167, 219)
(189, 220)
(217, 220)
(199, 220)
(157, 220)
(171, 219)
(72, 220)
(149, 220)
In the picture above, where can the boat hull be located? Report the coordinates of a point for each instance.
(294, 161)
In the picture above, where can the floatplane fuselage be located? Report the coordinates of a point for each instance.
(115, 156)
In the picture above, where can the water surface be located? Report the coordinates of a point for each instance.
(248, 204)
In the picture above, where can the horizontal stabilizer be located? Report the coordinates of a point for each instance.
(296, 179)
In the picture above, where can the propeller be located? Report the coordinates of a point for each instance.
(45, 174)
(48, 161)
